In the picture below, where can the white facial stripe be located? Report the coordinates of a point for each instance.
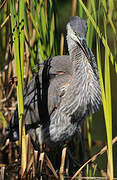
(72, 34)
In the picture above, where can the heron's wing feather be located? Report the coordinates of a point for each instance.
(60, 72)
(57, 89)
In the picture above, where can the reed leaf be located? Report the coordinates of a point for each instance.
(74, 7)
(109, 14)
(106, 114)
(112, 24)
(3, 121)
(34, 23)
(18, 36)
(21, 35)
(80, 10)
(90, 29)
(106, 94)
(108, 121)
(93, 2)
(51, 34)
(43, 20)
(21, 52)
(62, 44)
(111, 7)
(98, 31)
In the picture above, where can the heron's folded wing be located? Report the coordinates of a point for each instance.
(60, 75)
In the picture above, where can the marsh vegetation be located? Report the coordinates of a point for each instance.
(30, 33)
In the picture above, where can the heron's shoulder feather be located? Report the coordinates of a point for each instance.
(60, 74)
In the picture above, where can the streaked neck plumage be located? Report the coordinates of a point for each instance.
(85, 81)
(74, 49)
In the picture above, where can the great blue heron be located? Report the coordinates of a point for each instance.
(64, 91)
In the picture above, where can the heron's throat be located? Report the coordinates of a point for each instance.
(75, 50)
(77, 56)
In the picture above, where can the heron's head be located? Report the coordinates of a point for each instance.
(77, 29)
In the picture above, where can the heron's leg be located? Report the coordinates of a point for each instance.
(49, 164)
(66, 157)
(81, 149)
(41, 160)
(45, 162)
(67, 165)
(71, 157)
(61, 172)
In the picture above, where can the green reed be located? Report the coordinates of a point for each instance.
(4, 17)
(34, 34)
(17, 24)
(43, 21)
(95, 18)
(33, 28)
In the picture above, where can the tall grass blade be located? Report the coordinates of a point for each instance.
(43, 20)
(93, 4)
(21, 42)
(21, 35)
(2, 120)
(98, 31)
(109, 113)
(106, 94)
(111, 7)
(109, 13)
(90, 34)
(34, 23)
(51, 37)
(18, 47)
(106, 114)
(80, 10)
(90, 29)
(62, 44)
(74, 6)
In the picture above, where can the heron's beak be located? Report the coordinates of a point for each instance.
(85, 48)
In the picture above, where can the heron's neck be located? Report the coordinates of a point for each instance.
(80, 77)
(76, 54)
(85, 85)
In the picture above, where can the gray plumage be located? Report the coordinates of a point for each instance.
(64, 91)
